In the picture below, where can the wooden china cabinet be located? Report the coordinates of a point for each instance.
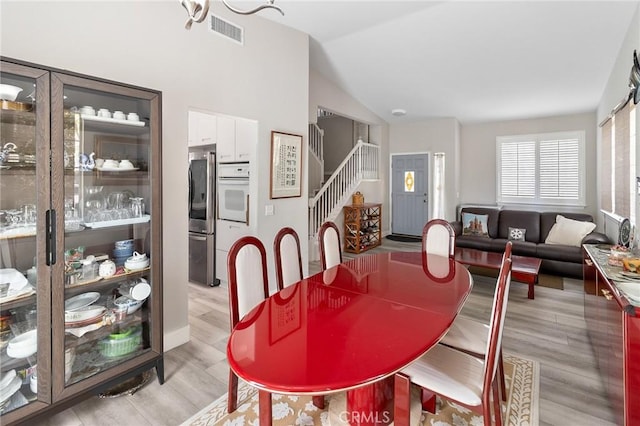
(613, 324)
(70, 324)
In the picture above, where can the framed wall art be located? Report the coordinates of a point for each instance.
(286, 165)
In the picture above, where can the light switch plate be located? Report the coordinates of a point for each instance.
(268, 210)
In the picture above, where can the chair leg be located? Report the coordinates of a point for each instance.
(402, 400)
(503, 387)
(318, 401)
(232, 396)
(428, 400)
(497, 408)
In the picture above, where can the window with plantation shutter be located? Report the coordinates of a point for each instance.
(541, 169)
(618, 162)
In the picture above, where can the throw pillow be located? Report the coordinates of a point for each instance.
(517, 234)
(475, 224)
(568, 231)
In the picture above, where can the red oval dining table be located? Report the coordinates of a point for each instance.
(347, 329)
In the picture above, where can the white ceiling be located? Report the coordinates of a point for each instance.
(476, 61)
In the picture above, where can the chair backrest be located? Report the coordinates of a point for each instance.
(330, 250)
(438, 268)
(286, 247)
(498, 313)
(439, 237)
(247, 270)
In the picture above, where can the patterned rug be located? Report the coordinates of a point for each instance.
(520, 409)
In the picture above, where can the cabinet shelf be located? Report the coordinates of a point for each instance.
(99, 283)
(362, 227)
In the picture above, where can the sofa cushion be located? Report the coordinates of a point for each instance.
(568, 231)
(559, 252)
(478, 243)
(520, 219)
(492, 213)
(517, 234)
(475, 224)
(547, 220)
(519, 248)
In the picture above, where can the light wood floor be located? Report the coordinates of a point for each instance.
(550, 329)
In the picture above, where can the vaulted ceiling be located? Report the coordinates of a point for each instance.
(476, 61)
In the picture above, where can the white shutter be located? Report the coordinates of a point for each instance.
(559, 174)
(544, 169)
(518, 169)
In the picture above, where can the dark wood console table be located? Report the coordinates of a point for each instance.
(613, 324)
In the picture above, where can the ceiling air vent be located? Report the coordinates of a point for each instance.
(226, 29)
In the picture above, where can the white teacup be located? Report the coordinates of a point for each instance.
(87, 110)
(119, 115)
(103, 112)
(126, 164)
(99, 162)
(110, 164)
(132, 116)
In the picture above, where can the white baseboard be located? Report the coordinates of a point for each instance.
(175, 338)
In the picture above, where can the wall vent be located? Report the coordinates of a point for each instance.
(226, 29)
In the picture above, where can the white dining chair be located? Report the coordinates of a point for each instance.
(438, 237)
(330, 249)
(286, 249)
(470, 336)
(248, 286)
(458, 376)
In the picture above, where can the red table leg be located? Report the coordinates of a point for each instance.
(370, 405)
(264, 403)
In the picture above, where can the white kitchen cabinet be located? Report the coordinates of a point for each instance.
(226, 139)
(246, 139)
(236, 139)
(221, 266)
(202, 128)
(227, 233)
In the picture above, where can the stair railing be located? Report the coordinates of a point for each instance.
(360, 164)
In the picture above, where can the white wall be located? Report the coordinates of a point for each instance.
(478, 155)
(434, 135)
(617, 88)
(338, 140)
(325, 94)
(144, 43)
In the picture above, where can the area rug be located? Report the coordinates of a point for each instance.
(404, 238)
(521, 408)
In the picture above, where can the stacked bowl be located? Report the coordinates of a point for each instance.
(122, 251)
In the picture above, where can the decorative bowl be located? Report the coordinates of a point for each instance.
(124, 244)
(122, 343)
(132, 305)
(123, 252)
(9, 92)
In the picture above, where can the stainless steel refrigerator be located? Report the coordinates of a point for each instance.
(202, 217)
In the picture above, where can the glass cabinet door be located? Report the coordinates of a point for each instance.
(24, 207)
(104, 291)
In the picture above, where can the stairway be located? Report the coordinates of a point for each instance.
(362, 163)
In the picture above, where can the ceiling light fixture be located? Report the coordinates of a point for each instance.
(398, 112)
(198, 9)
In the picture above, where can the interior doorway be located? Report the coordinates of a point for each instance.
(409, 193)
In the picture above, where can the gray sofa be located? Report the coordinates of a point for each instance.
(556, 259)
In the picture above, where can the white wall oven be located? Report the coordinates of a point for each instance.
(233, 192)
